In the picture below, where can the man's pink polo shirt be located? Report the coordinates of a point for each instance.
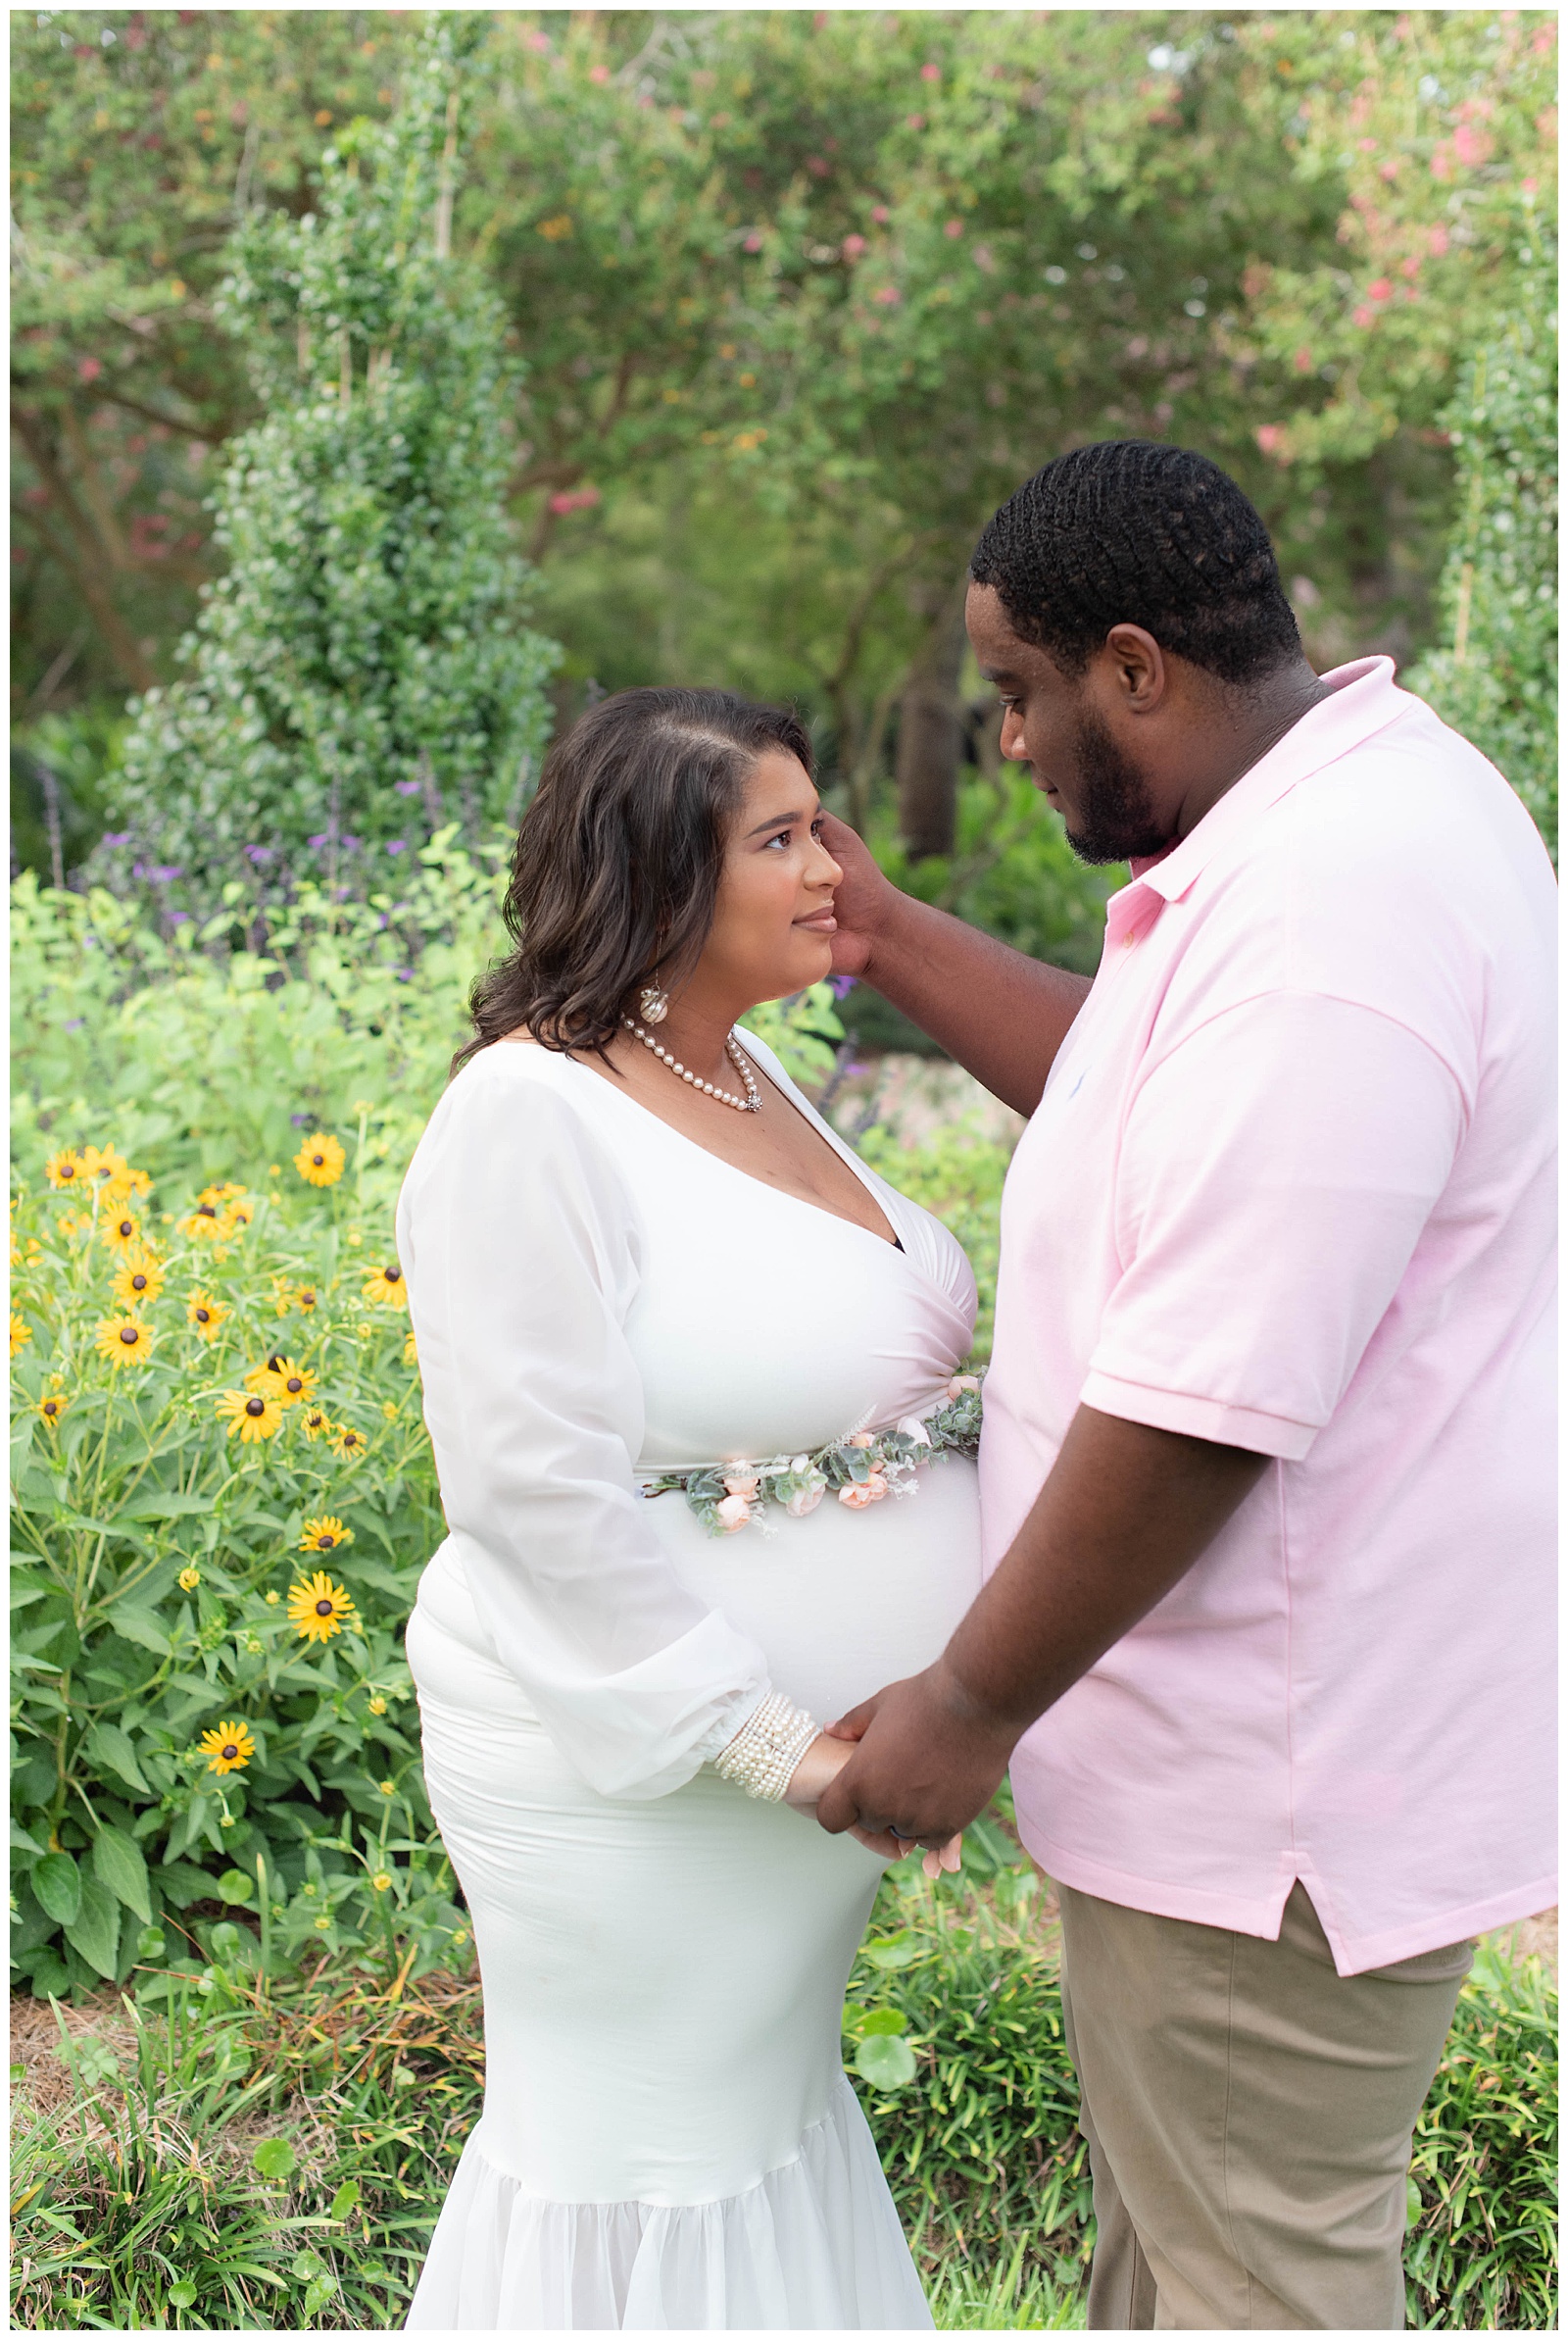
(1290, 1187)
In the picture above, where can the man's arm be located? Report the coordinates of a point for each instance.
(1122, 1517)
(1000, 1013)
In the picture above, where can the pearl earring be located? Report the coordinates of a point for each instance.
(653, 1003)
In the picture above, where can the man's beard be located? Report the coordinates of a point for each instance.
(1115, 821)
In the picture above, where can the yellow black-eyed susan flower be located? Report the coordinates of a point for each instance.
(103, 1161)
(121, 1231)
(381, 1882)
(327, 1534)
(316, 1423)
(305, 1297)
(286, 1383)
(230, 1747)
(52, 1405)
(320, 1160)
(410, 1351)
(318, 1608)
(378, 1704)
(123, 1185)
(205, 1312)
(386, 1288)
(125, 1340)
(203, 1223)
(347, 1442)
(65, 1169)
(21, 1332)
(140, 1279)
(189, 1579)
(251, 1414)
(261, 1374)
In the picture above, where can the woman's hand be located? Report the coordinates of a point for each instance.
(822, 1761)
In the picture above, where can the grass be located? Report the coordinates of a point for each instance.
(270, 2152)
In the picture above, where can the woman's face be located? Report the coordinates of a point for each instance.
(773, 924)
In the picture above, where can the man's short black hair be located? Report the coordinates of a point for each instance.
(1129, 533)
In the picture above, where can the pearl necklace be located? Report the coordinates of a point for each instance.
(752, 1101)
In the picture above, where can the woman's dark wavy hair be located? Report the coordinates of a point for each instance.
(617, 861)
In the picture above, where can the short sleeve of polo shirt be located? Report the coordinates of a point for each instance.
(1276, 1169)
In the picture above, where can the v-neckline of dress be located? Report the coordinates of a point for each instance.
(829, 1134)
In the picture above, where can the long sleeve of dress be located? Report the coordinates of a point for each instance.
(518, 1239)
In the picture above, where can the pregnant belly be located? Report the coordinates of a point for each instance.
(842, 1602)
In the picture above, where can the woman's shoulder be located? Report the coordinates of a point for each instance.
(523, 1097)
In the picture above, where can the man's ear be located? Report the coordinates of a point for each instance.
(1138, 672)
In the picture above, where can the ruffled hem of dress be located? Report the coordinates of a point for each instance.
(814, 2246)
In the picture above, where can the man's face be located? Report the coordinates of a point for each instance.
(1051, 721)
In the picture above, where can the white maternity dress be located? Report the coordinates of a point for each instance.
(668, 2140)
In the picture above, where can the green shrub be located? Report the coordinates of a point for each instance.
(361, 671)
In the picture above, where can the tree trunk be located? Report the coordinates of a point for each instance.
(931, 734)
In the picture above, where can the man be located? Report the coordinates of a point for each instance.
(1265, 1475)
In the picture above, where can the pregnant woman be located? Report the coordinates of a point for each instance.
(637, 1262)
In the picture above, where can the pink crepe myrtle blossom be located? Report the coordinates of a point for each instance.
(852, 246)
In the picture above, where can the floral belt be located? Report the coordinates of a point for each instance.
(860, 1468)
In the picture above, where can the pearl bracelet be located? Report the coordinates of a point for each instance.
(761, 1757)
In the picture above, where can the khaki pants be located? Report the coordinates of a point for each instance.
(1248, 2115)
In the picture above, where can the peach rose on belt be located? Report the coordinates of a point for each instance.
(862, 1491)
(734, 1511)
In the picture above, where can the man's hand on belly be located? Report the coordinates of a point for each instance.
(1124, 1514)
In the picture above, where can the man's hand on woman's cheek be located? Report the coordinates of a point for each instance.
(926, 1761)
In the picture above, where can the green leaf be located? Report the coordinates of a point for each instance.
(96, 1931)
(118, 1863)
(318, 2292)
(894, 1949)
(886, 2062)
(275, 2157)
(235, 1885)
(346, 2197)
(142, 1626)
(113, 1746)
(163, 1506)
(883, 2022)
(57, 1881)
(182, 2295)
(23, 1842)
